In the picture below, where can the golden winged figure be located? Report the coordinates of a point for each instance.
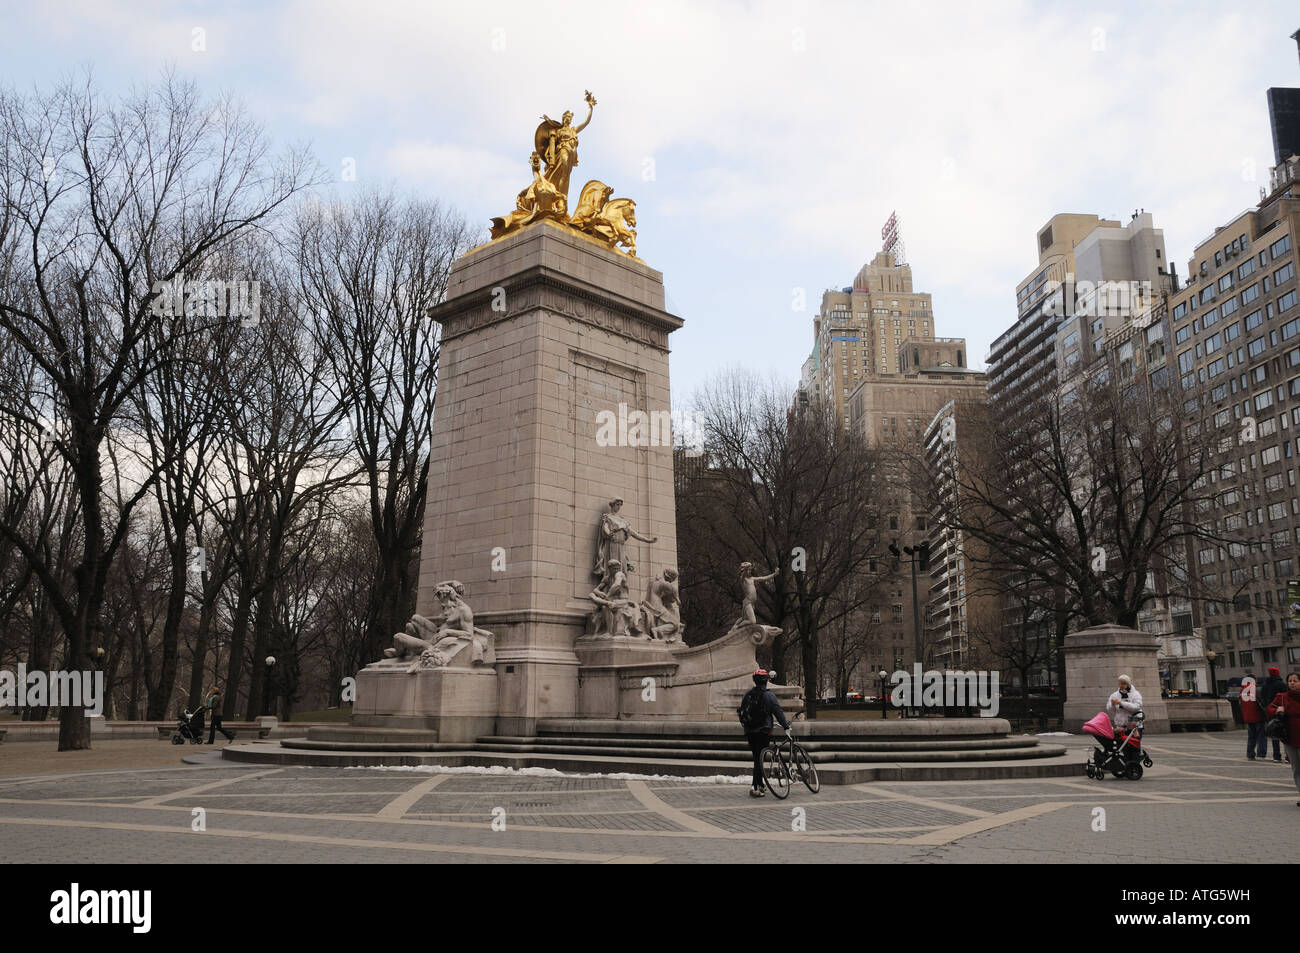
(610, 221)
(557, 144)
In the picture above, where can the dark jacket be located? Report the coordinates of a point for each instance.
(771, 709)
(1268, 690)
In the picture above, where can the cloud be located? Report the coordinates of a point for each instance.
(780, 134)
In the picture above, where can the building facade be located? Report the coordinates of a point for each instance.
(1236, 346)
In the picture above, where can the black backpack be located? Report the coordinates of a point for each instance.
(752, 711)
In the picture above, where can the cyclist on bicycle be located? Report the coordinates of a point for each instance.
(757, 710)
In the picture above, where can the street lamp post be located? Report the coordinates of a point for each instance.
(883, 711)
(919, 555)
(1210, 656)
(268, 699)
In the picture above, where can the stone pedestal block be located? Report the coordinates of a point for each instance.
(459, 704)
(1095, 657)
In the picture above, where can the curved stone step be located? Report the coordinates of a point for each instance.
(743, 755)
(812, 730)
(831, 774)
(316, 744)
(739, 744)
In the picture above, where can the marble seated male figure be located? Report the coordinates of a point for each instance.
(616, 613)
(436, 646)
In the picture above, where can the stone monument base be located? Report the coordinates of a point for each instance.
(459, 704)
(630, 678)
(1095, 658)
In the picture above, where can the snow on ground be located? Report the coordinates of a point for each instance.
(1054, 734)
(502, 771)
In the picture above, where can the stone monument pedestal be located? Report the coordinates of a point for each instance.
(1095, 658)
(459, 704)
(546, 336)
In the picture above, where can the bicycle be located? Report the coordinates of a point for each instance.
(786, 761)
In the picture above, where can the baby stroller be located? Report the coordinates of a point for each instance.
(189, 728)
(1121, 754)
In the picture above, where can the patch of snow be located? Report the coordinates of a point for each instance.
(1054, 734)
(503, 771)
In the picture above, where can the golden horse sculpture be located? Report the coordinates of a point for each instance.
(609, 221)
(613, 221)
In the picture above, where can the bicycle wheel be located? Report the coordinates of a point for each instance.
(805, 770)
(776, 772)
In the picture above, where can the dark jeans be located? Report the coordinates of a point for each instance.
(216, 726)
(1256, 740)
(757, 742)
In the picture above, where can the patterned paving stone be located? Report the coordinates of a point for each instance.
(1201, 804)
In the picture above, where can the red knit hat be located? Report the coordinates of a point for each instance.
(1273, 670)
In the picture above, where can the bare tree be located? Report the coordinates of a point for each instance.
(791, 491)
(285, 460)
(101, 201)
(371, 269)
(1080, 497)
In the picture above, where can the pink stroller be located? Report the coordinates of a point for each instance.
(1120, 754)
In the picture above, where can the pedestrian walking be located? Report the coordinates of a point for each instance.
(757, 710)
(1287, 704)
(212, 702)
(1252, 713)
(1265, 694)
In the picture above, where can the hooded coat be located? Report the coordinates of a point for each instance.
(1122, 709)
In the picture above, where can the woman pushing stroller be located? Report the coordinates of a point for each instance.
(1120, 746)
(1124, 703)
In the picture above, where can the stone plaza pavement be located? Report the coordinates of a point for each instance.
(1203, 802)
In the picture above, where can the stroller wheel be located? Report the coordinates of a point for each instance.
(1146, 761)
(1091, 772)
(177, 740)
(1133, 772)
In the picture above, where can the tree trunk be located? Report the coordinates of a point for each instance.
(261, 643)
(160, 693)
(238, 634)
(809, 662)
(200, 651)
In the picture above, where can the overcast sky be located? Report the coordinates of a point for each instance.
(764, 143)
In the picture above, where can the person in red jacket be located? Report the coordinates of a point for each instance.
(1253, 715)
(1288, 703)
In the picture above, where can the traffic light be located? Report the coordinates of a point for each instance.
(923, 556)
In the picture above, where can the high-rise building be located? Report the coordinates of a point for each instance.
(1236, 341)
(954, 598)
(860, 329)
(1096, 279)
(1093, 275)
(880, 372)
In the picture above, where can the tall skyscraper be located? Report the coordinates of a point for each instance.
(1095, 279)
(860, 329)
(1236, 341)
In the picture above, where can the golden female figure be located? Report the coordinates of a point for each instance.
(557, 142)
